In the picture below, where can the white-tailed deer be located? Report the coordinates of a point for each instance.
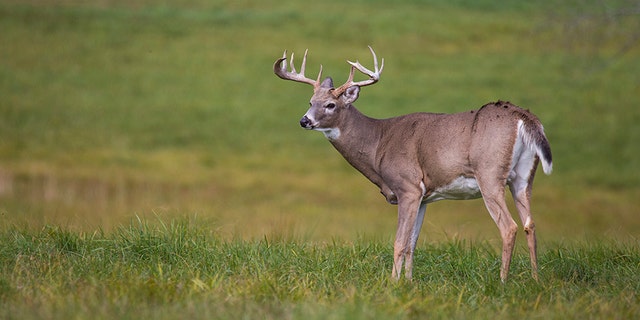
(420, 158)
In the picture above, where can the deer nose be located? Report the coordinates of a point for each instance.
(305, 122)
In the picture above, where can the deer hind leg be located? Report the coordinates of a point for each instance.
(493, 195)
(410, 217)
(521, 192)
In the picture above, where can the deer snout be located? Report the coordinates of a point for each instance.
(306, 123)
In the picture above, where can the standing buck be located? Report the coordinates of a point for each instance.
(420, 158)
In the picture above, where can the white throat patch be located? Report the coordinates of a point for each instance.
(330, 133)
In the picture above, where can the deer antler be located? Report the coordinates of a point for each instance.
(280, 69)
(374, 76)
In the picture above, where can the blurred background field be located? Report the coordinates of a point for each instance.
(111, 110)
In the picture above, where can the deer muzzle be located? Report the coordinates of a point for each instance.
(306, 123)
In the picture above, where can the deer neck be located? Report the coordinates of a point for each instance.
(357, 139)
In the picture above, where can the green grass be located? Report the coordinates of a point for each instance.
(181, 269)
(112, 110)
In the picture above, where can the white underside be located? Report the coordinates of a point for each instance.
(462, 188)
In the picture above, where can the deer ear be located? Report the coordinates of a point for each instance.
(351, 94)
(327, 83)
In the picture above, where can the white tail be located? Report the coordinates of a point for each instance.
(420, 158)
(534, 138)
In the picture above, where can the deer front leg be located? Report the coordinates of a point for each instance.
(410, 216)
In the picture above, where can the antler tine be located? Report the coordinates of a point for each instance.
(366, 71)
(319, 76)
(374, 76)
(280, 69)
(291, 65)
(304, 61)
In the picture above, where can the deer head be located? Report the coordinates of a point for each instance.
(328, 103)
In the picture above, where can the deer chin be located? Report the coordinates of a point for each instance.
(309, 127)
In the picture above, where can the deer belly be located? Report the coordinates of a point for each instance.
(462, 188)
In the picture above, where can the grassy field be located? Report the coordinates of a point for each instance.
(178, 270)
(112, 112)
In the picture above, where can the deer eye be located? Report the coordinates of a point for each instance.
(330, 106)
